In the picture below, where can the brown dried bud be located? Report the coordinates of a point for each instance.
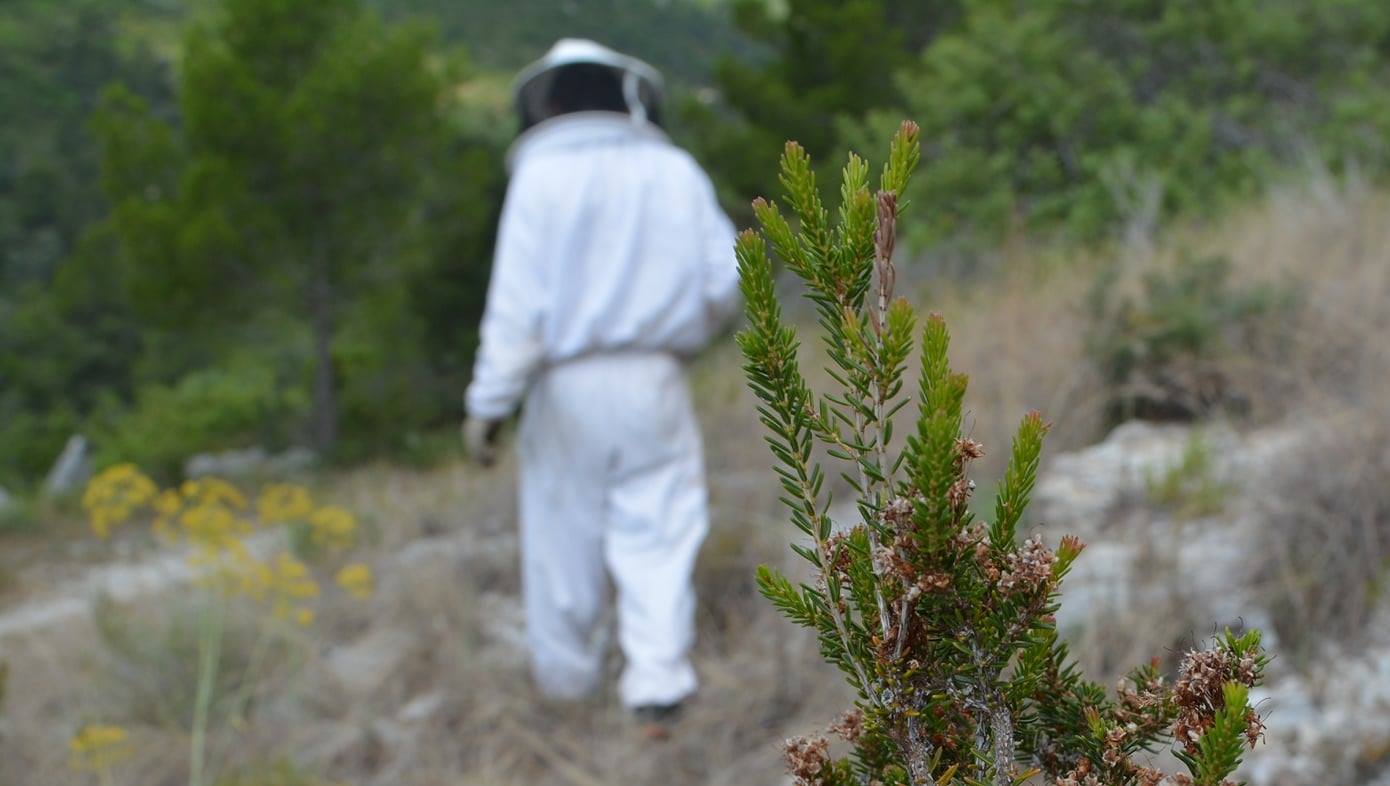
(849, 726)
(969, 449)
(1029, 569)
(886, 235)
(807, 759)
(1199, 693)
(934, 581)
(897, 514)
(959, 492)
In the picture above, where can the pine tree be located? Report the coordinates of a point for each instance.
(943, 624)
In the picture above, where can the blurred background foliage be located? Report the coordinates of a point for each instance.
(227, 223)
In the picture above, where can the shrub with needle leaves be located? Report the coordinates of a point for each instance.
(942, 623)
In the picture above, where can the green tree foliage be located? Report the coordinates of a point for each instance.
(1057, 113)
(60, 340)
(1051, 113)
(684, 37)
(55, 60)
(217, 408)
(318, 205)
(305, 127)
(827, 63)
(943, 624)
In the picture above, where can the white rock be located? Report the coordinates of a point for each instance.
(421, 708)
(1078, 490)
(292, 461)
(251, 461)
(230, 463)
(366, 664)
(72, 469)
(1329, 727)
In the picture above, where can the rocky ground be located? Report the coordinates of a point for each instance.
(426, 685)
(1157, 578)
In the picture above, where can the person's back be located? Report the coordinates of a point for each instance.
(624, 246)
(613, 261)
(628, 238)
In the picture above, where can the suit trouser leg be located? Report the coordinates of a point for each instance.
(563, 581)
(657, 520)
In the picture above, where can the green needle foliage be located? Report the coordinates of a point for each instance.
(943, 624)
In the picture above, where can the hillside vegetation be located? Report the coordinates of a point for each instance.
(129, 269)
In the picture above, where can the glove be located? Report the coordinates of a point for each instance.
(480, 440)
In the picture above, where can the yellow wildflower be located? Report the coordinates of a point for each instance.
(333, 526)
(249, 576)
(304, 617)
(281, 502)
(102, 520)
(213, 491)
(291, 582)
(97, 747)
(114, 495)
(167, 507)
(356, 580)
(212, 527)
(292, 578)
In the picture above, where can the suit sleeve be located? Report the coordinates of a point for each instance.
(511, 348)
(721, 292)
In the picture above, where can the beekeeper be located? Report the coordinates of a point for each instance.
(614, 263)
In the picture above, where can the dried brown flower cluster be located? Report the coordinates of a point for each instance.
(1199, 693)
(807, 760)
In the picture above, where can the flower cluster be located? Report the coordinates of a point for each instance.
(98, 747)
(333, 527)
(1028, 569)
(280, 503)
(356, 580)
(217, 522)
(808, 760)
(115, 495)
(849, 726)
(1200, 692)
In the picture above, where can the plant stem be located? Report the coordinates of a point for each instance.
(1001, 725)
(902, 628)
(878, 501)
(248, 677)
(840, 628)
(884, 272)
(209, 652)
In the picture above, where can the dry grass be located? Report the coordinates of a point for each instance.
(1327, 515)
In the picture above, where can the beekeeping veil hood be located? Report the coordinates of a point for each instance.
(641, 83)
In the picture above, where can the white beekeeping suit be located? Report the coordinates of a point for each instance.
(613, 262)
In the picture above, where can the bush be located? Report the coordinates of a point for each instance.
(30, 442)
(943, 625)
(1038, 112)
(210, 410)
(1190, 487)
(1162, 350)
(18, 515)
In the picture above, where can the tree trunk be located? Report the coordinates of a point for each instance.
(325, 416)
